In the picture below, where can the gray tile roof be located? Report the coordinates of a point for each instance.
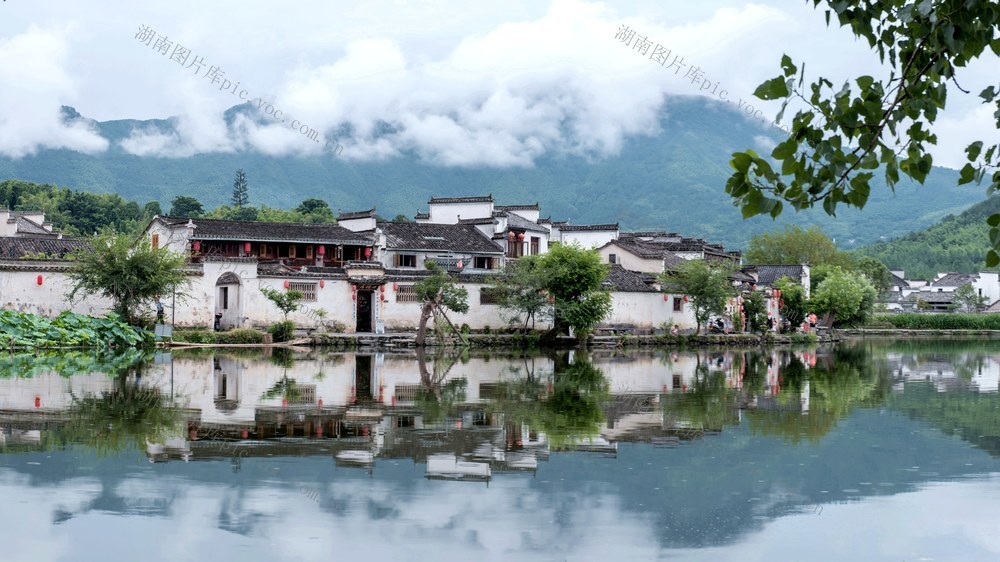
(357, 215)
(517, 222)
(586, 227)
(28, 226)
(255, 231)
(18, 247)
(769, 274)
(462, 238)
(955, 280)
(421, 216)
(649, 250)
(628, 281)
(532, 207)
(474, 199)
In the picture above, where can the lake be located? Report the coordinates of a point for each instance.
(869, 450)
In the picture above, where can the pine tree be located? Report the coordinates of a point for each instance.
(241, 195)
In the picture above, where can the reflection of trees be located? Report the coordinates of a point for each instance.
(566, 408)
(706, 405)
(848, 379)
(125, 417)
(288, 389)
(435, 397)
(973, 416)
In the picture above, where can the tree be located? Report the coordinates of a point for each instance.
(241, 192)
(574, 279)
(794, 246)
(755, 310)
(840, 137)
(315, 211)
(793, 300)
(286, 301)
(707, 285)
(185, 206)
(437, 294)
(876, 272)
(967, 299)
(152, 209)
(523, 291)
(850, 297)
(129, 272)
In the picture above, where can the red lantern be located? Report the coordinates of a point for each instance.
(395, 286)
(685, 298)
(38, 401)
(665, 297)
(321, 250)
(354, 287)
(459, 264)
(246, 247)
(196, 246)
(38, 280)
(520, 236)
(381, 288)
(244, 433)
(368, 251)
(286, 283)
(319, 403)
(354, 296)
(322, 283)
(511, 235)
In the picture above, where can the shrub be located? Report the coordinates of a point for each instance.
(940, 321)
(239, 335)
(194, 336)
(282, 331)
(21, 329)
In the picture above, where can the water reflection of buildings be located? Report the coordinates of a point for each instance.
(359, 408)
(977, 371)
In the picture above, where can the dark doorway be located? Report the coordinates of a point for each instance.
(363, 377)
(364, 311)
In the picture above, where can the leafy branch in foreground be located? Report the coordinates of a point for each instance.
(840, 138)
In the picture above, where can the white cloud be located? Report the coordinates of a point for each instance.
(35, 84)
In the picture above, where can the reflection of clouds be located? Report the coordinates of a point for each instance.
(941, 521)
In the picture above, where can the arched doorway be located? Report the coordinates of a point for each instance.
(227, 301)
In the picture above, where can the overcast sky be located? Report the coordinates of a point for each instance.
(459, 83)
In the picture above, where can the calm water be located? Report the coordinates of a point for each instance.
(867, 451)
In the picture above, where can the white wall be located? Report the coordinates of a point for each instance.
(19, 290)
(449, 213)
(588, 238)
(648, 310)
(630, 261)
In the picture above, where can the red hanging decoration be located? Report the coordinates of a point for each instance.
(511, 235)
(520, 236)
(287, 284)
(665, 297)
(354, 288)
(685, 298)
(244, 433)
(381, 288)
(395, 286)
(39, 280)
(246, 247)
(368, 251)
(196, 245)
(38, 401)
(321, 250)
(322, 283)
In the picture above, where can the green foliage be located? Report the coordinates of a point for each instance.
(286, 301)
(707, 285)
(524, 294)
(315, 211)
(850, 297)
(75, 212)
(755, 310)
(574, 278)
(956, 243)
(966, 299)
(795, 245)
(840, 138)
(939, 321)
(21, 329)
(876, 272)
(282, 331)
(793, 301)
(440, 288)
(186, 206)
(129, 272)
(241, 190)
(67, 363)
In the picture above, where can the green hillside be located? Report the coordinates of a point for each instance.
(958, 243)
(673, 180)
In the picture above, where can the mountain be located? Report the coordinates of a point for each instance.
(957, 243)
(673, 180)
